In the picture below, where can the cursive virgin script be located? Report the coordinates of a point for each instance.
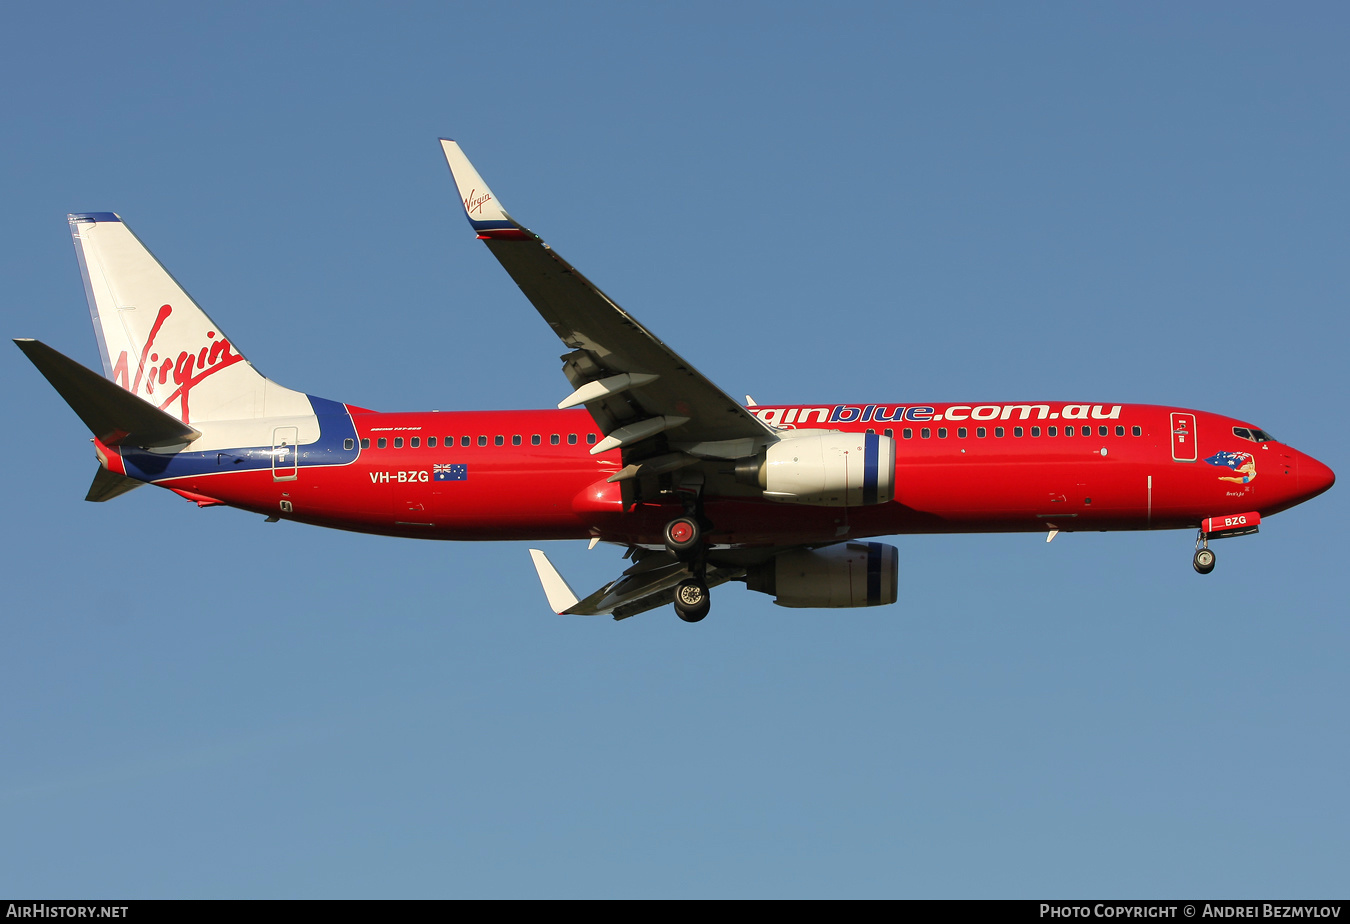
(186, 370)
(474, 203)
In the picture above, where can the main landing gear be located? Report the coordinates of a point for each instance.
(1203, 562)
(692, 600)
(683, 536)
(684, 539)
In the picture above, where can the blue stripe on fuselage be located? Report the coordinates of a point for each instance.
(335, 426)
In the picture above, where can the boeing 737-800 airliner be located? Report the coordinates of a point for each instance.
(644, 452)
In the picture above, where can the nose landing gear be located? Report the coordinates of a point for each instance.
(1203, 562)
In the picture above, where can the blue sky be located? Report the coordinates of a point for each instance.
(1106, 203)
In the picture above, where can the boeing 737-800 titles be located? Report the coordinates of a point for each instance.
(644, 452)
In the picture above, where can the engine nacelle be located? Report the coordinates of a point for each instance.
(825, 470)
(851, 574)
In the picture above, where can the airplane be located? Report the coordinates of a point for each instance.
(644, 452)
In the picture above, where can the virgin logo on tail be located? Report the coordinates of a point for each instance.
(187, 370)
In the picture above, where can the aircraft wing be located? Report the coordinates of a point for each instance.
(648, 583)
(634, 385)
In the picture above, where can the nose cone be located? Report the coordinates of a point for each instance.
(1313, 477)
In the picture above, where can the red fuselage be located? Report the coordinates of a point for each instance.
(529, 475)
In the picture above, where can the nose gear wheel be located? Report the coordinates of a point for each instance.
(1203, 562)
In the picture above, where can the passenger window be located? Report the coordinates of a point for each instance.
(415, 442)
(349, 444)
(365, 443)
(998, 432)
(534, 440)
(907, 433)
(871, 431)
(464, 440)
(1035, 431)
(1052, 431)
(382, 442)
(398, 442)
(499, 441)
(1068, 431)
(590, 439)
(515, 441)
(571, 439)
(961, 432)
(942, 433)
(1018, 431)
(553, 440)
(925, 433)
(981, 432)
(431, 442)
(1101, 431)
(1120, 431)
(1136, 431)
(482, 441)
(889, 432)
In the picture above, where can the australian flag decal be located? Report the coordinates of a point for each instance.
(449, 473)
(1233, 460)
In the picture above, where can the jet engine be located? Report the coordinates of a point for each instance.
(851, 574)
(825, 470)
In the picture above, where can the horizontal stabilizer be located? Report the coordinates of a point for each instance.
(108, 485)
(113, 414)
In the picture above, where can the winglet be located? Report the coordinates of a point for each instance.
(561, 598)
(485, 213)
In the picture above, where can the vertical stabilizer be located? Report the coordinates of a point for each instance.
(157, 343)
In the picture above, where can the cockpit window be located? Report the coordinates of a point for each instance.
(1262, 436)
(1253, 434)
(1242, 432)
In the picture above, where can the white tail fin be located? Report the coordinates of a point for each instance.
(156, 342)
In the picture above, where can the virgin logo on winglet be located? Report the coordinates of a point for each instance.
(474, 203)
(188, 369)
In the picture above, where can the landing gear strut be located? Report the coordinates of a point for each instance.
(1203, 562)
(684, 539)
